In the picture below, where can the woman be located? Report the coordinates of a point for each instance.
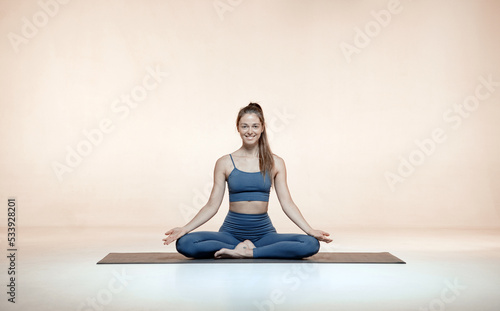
(247, 231)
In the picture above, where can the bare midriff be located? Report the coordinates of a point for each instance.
(249, 207)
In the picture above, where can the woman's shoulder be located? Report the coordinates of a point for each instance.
(223, 159)
(223, 165)
(278, 161)
(226, 159)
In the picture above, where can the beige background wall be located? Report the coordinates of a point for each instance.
(347, 89)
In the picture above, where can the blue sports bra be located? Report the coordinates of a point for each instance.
(245, 186)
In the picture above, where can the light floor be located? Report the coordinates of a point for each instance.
(446, 270)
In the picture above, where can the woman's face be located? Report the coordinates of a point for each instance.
(250, 128)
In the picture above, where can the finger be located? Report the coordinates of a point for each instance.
(172, 238)
(324, 233)
(168, 238)
(327, 240)
(169, 232)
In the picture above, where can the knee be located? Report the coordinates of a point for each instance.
(311, 245)
(183, 246)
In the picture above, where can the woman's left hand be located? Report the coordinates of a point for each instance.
(320, 235)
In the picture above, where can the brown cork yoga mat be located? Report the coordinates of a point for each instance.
(176, 258)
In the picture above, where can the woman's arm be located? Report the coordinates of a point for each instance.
(287, 204)
(207, 211)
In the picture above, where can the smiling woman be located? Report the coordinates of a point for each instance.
(247, 231)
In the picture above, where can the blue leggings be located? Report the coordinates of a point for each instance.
(257, 228)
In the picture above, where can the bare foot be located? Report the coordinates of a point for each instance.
(242, 250)
(249, 244)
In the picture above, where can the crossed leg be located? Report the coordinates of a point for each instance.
(208, 244)
(204, 244)
(286, 246)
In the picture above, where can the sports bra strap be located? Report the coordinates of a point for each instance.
(232, 160)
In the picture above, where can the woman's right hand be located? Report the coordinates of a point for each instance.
(173, 234)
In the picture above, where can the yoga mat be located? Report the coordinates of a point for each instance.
(166, 258)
